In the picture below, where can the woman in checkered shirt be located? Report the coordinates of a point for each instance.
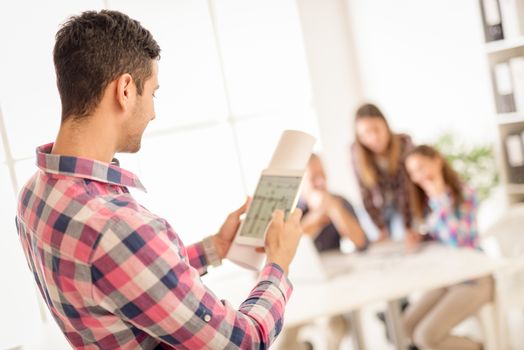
(446, 208)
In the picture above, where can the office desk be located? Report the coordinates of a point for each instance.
(384, 273)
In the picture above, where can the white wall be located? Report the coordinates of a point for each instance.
(336, 86)
(424, 63)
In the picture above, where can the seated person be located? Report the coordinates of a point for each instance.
(327, 219)
(448, 208)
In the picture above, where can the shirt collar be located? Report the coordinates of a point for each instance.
(85, 168)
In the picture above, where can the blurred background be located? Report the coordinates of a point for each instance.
(234, 74)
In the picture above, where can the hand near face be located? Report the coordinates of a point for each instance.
(434, 187)
(426, 172)
(319, 201)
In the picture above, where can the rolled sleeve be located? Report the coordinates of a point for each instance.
(197, 257)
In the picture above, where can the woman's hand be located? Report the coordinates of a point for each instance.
(383, 236)
(435, 187)
(412, 240)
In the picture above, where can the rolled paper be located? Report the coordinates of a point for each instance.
(292, 153)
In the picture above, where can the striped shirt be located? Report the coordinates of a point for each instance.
(116, 276)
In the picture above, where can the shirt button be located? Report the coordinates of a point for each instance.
(207, 318)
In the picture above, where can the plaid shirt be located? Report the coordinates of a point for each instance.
(456, 227)
(398, 184)
(116, 276)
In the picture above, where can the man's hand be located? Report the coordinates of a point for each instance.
(227, 232)
(282, 238)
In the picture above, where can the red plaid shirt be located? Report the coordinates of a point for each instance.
(116, 276)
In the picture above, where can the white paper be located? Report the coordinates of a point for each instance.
(515, 150)
(293, 151)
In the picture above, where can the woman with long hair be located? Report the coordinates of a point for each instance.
(446, 209)
(378, 157)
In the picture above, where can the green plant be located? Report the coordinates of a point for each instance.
(475, 164)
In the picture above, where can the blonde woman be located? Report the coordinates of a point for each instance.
(378, 157)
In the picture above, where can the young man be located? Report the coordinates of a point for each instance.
(327, 217)
(113, 274)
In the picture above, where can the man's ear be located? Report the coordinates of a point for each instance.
(125, 91)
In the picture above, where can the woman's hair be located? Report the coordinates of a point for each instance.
(451, 179)
(364, 159)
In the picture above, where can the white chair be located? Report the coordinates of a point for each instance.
(504, 239)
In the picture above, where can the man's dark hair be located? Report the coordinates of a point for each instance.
(95, 48)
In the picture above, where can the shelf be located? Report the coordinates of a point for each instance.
(515, 188)
(509, 118)
(503, 45)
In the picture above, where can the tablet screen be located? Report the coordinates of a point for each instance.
(273, 192)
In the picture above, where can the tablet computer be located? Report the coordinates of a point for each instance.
(276, 189)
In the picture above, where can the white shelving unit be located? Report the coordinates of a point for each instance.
(504, 45)
(515, 189)
(507, 123)
(510, 118)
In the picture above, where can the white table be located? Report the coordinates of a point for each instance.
(383, 273)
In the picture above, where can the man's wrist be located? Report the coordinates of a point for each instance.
(284, 267)
(221, 245)
(213, 253)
